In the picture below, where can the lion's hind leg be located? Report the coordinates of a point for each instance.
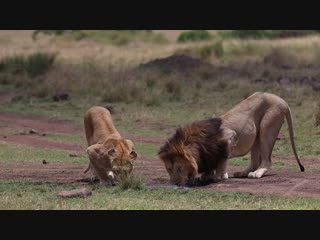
(270, 128)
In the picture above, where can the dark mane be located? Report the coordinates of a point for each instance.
(202, 139)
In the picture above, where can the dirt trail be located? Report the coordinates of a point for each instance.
(67, 173)
(290, 182)
(41, 142)
(48, 125)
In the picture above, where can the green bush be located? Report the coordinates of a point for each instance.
(34, 64)
(203, 52)
(47, 32)
(115, 37)
(194, 35)
(130, 182)
(39, 63)
(259, 34)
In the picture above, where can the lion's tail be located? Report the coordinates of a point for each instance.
(291, 133)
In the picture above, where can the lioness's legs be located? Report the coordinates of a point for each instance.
(270, 128)
(255, 160)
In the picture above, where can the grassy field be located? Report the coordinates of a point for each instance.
(24, 195)
(152, 103)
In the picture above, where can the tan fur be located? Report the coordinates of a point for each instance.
(256, 122)
(203, 147)
(107, 150)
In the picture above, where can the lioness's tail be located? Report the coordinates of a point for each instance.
(291, 133)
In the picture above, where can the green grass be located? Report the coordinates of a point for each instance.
(24, 195)
(148, 150)
(160, 121)
(11, 153)
(269, 34)
(65, 138)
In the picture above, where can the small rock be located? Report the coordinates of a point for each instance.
(61, 96)
(285, 66)
(4, 136)
(32, 131)
(285, 81)
(82, 192)
(43, 134)
(73, 155)
(44, 162)
(260, 81)
(307, 80)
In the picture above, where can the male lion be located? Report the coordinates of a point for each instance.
(109, 153)
(203, 147)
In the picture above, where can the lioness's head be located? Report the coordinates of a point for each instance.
(115, 154)
(192, 150)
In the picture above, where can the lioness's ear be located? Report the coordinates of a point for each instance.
(130, 143)
(94, 151)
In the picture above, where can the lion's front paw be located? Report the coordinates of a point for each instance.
(221, 178)
(225, 176)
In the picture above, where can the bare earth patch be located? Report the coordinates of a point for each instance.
(48, 125)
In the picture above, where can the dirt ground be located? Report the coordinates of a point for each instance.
(286, 182)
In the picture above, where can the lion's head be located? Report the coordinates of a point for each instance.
(192, 150)
(116, 155)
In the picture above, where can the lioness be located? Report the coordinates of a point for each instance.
(203, 147)
(109, 153)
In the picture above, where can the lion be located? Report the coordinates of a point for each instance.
(203, 147)
(110, 155)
